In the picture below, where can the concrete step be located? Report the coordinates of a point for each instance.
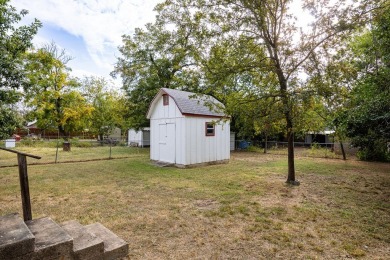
(16, 240)
(114, 247)
(51, 241)
(86, 246)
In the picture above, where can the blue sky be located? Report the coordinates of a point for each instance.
(89, 30)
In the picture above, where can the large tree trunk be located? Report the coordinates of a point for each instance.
(290, 154)
(289, 122)
(265, 143)
(61, 128)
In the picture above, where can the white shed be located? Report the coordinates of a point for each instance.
(187, 129)
(139, 138)
(115, 133)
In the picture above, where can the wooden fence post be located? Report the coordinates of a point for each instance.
(23, 178)
(24, 188)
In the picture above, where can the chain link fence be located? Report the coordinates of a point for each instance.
(320, 150)
(72, 150)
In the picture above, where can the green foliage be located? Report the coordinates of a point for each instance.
(367, 122)
(14, 41)
(9, 121)
(109, 109)
(53, 94)
(30, 142)
(257, 45)
(255, 149)
(250, 95)
(323, 152)
(75, 142)
(162, 56)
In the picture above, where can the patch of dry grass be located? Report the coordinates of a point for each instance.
(241, 210)
(48, 154)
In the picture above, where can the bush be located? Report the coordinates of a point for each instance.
(30, 142)
(256, 149)
(84, 144)
(374, 151)
(122, 143)
(75, 142)
(317, 151)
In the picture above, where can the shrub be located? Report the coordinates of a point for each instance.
(317, 151)
(75, 142)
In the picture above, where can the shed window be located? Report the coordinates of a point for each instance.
(165, 100)
(210, 129)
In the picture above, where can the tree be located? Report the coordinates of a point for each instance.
(334, 82)
(14, 41)
(9, 122)
(158, 57)
(228, 76)
(288, 50)
(53, 92)
(367, 122)
(108, 106)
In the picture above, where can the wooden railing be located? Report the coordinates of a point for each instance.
(23, 178)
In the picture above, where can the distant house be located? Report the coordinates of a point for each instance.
(139, 138)
(32, 129)
(188, 129)
(323, 137)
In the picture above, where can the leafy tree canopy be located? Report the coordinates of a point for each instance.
(367, 121)
(274, 48)
(14, 41)
(9, 122)
(109, 108)
(162, 56)
(53, 94)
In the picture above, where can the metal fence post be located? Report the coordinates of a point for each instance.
(110, 149)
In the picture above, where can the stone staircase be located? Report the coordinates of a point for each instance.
(45, 239)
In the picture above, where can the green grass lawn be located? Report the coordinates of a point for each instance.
(48, 154)
(240, 210)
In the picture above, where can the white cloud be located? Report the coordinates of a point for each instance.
(99, 23)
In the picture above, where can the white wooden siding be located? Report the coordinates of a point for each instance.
(163, 121)
(180, 140)
(184, 137)
(232, 141)
(165, 112)
(141, 138)
(200, 148)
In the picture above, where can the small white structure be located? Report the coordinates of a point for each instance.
(10, 143)
(115, 133)
(187, 129)
(319, 137)
(232, 141)
(139, 138)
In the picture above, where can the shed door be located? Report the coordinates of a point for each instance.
(167, 145)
